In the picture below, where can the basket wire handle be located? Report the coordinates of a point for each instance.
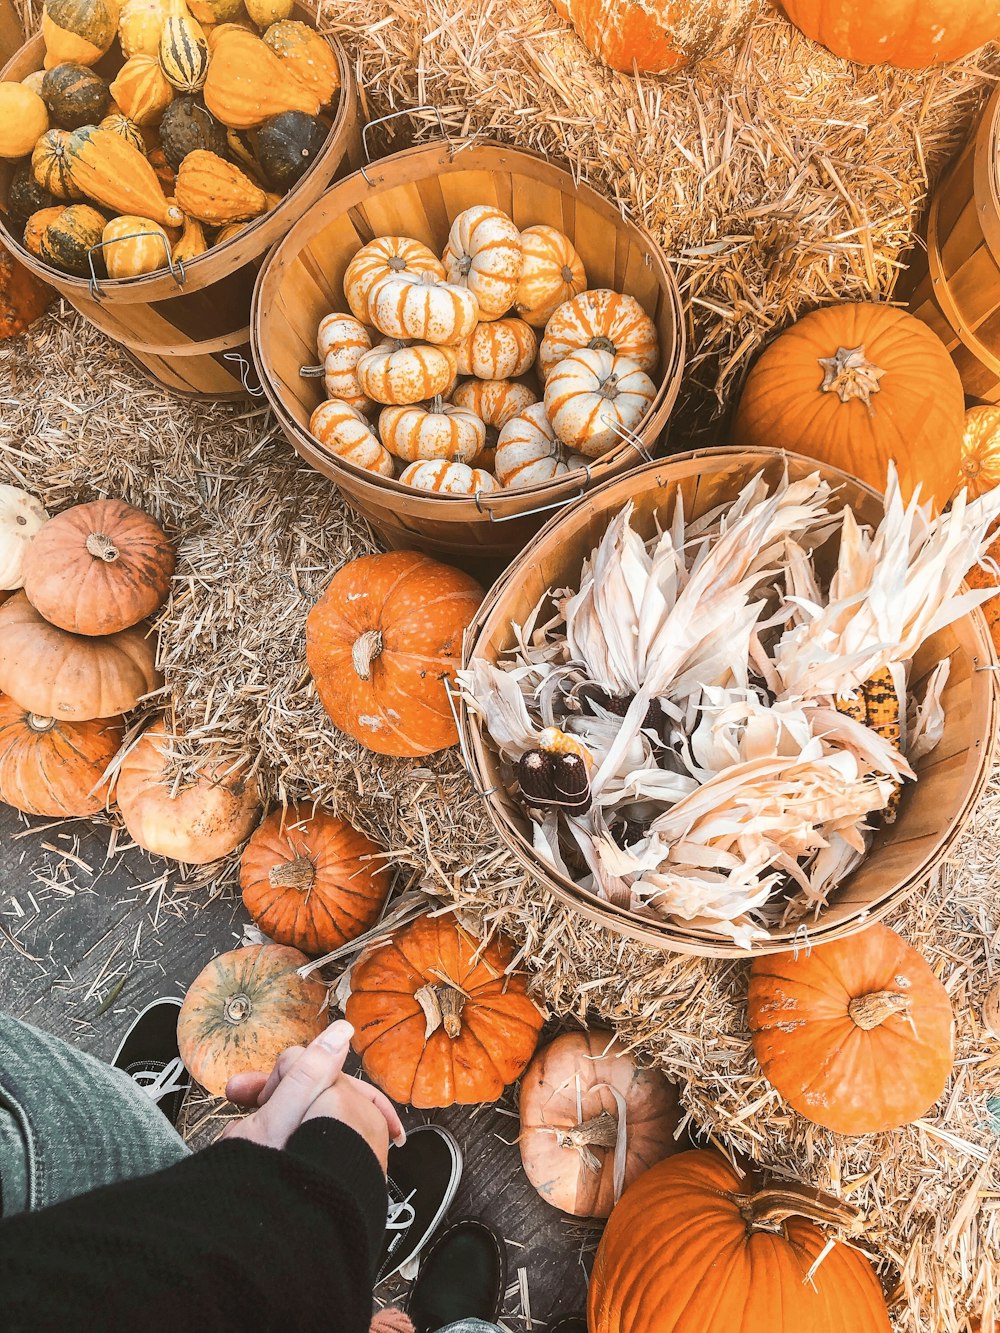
(395, 115)
(538, 509)
(176, 266)
(246, 370)
(801, 941)
(630, 437)
(463, 748)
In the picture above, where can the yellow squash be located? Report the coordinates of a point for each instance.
(112, 172)
(247, 83)
(214, 191)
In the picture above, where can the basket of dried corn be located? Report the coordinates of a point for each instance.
(736, 701)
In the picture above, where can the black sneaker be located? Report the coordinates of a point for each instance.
(148, 1054)
(423, 1176)
(462, 1276)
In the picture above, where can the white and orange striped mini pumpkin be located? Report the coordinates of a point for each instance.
(494, 401)
(604, 321)
(595, 399)
(448, 478)
(484, 254)
(347, 435)
(341, 342)
(423, 308)
(438, 431)
(499, 349)
(395, 371)
(386, 257)
(552, 272)
(528, 452)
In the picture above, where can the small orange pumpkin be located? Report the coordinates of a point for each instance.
(380, 643)
(48, 767)
(395, 371)
(528, 450)
(602, 321)
(341, 429)
(552, 272)
(438, 1018)
(484, 255)
(342, 341)
(657, 35)
(446, 478)
(309, 879)
(980, 467)
(423, 309)
(439, 430)
(386, 257)
(500, 349)
(494, 402)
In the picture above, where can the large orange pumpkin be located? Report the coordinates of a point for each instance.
(243, 1009)
(309, 880)
(980, 467)
(48, 767)
(694, 1247)
(572, 1121)
(856, 385)
(856, 1035)
(438, 1019)
(656, 35)
(380, 643)
(908, 33)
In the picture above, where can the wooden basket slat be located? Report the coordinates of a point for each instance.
(536, 204)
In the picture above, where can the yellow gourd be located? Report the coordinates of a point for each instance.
(192, 242)
(134, 246)
(140, 26)
(247, 82)
(210, 12)
(78, 31)
(183, 53)
(265, 12)
(112, 172)
(214, 191)
(141, 90)
(307, 56)
(24, 118)
(36, 227)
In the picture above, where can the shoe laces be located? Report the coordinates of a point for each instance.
(157, 1084)
(401, 1213)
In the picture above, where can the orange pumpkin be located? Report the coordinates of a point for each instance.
(980, 466)
(309, 880)
(658, 35)
(98, 568)
(48, 767)
(380, 643)
(572, 1121)
(856, 385)
(696, 1247)
(856, 1035)
(499, 349)
(243, 1009)
(599, 320)
(23, 297)
(910, 33)
(980, 577)
(437, 1018)
(552, 272)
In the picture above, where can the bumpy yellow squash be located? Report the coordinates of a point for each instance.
(247, 83)
(214, 191)
(307, 56)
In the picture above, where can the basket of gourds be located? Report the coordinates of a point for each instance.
(492, 337)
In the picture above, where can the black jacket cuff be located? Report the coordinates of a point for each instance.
(332, 1147)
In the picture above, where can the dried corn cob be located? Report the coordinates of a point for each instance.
(556, 741)
(882, 715)
(853, 705)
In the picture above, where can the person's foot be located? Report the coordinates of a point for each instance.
(148, 1054)
(462, 1276)
(423, 1176)
(573, 1323)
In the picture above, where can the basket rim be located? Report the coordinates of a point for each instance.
(473, 150)
(671, 935)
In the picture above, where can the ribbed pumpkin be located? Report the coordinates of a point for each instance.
(500, 349)
(25, 195)
(856, 385)
(142, 90)
(69, 239)
(134, 246)
(592, 1121)
(247, 83)
(74, 95)
(423, 308)
(48, 767)
(484, 255)
(341, 429)
(215, 191)
(24, 118)
(307, 56)
(71, 676)
(23, 298)
(342, 341)
(187, 126)
(446, 478)
(695, 1247)
(197, 823)
(438, 1018)
(394, 371)
(596, 399)
(857, 1035)
(380, 643)
(50, 165)
(21, 516)
(139, 27)
(312, 880)
(658, 35)
(183, 52)
(551, 272)
(439, 430)
(603, 321)
(913, 34)
(78, 30)
(495, 402)
(243, 1009)
(980, 467)
(386, 257)
(126, 129)
(528, 451)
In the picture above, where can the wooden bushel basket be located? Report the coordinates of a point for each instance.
(955, 288)
(188, 326)
(417, 193)
(933, 810)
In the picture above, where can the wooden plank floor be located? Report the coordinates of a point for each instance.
(92, 929)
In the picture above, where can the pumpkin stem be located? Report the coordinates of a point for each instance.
(850, 374)
(609, 387)
(437, 405)
(567, 274)
(442, 1006)
(868, 1011)
(38, 723)
(237, 1008)
(312, 372)
(367, 647)
(601, 344)
(299, 873)
(465, 265)
(769, 1208)
(600, 1132)
(101, 547)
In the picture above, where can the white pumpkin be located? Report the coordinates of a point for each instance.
(595, 400)
(604, 321)
(528, 451)
(386, 257)
(422, 308)
(484, 255)
(448, 478)
(552, 272)
(438, 431)
(494, 401)
(499, 349)
(342, 430)
(395, 371)
(341, 342)
(21, 515)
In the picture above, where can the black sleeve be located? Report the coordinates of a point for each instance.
(236, 1237)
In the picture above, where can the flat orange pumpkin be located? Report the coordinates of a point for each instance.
(380, 643)
(656, 35)
(49, 767)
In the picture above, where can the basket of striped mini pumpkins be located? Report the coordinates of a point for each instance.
(465, 341)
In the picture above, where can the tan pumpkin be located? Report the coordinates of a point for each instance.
(21, 516)
(592, 1121)
(243, 1010)
(247, 83)
(191, 243)
(139, 27)
(215, 191)
(445, 478)
(342, 341)
(386, 257)
(484, 254)
(499, 349)
(98, 568)
(112, 172)
(134, 246)
(596, 399)
(141, 89)
(342, 430)
(196, 822)
(528, 450)
(394, 371)
(78, 31)
(980, 467)
(440, 430)
(552, 272)
(312, 880)
(307, 56)
(495, 402)
(73, 677)
(423, 309)
(603, 321)
(48, 767)
(24, 118)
